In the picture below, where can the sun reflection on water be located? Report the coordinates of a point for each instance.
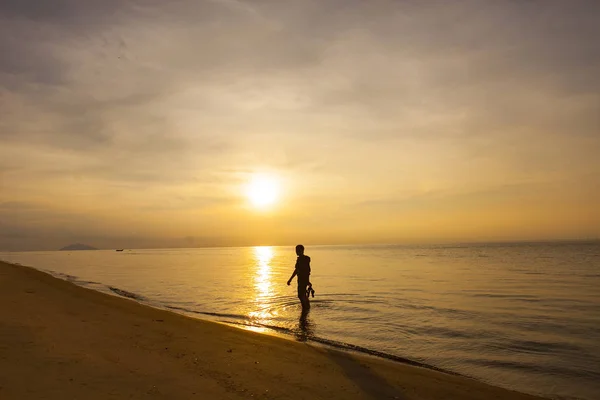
(262, 279)
(263, 285)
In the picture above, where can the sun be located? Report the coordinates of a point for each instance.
(262, 191)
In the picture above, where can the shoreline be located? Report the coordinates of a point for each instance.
(270, 330)
(92, 344)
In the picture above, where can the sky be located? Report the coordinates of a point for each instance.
(138, 123)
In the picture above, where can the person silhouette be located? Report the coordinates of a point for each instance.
(302, 271)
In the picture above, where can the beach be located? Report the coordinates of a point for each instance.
(59, 340)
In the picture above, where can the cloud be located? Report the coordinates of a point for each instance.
(110, 105)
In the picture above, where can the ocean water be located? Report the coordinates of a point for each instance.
(521, 316)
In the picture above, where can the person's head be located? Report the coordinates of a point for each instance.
(299, 250)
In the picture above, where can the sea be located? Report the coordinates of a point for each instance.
(523, 316)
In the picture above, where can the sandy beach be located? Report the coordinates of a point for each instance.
(59, 341)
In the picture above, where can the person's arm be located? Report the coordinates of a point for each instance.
(292, 277)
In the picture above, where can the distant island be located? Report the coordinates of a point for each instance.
(78, 246)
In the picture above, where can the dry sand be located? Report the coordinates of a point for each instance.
(61, 341)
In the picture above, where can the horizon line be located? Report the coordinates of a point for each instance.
(461, 243)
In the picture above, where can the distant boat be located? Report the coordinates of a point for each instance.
(119, 250)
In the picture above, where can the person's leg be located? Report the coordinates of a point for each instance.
(301, 290)
(302, 293)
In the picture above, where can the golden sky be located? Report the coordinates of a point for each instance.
(139, 123)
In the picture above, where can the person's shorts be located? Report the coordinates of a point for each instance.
(302, 284)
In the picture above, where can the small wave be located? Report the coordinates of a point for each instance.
(535, 347)
(62, 276)
(71, 278)
(517, 297)
(455, 313)
(534, 368)
(212, 314)
(125, 293)
(82, 282)
(328, 298)
(317, 301)
(438, 331)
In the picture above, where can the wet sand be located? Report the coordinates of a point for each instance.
(59, 341)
